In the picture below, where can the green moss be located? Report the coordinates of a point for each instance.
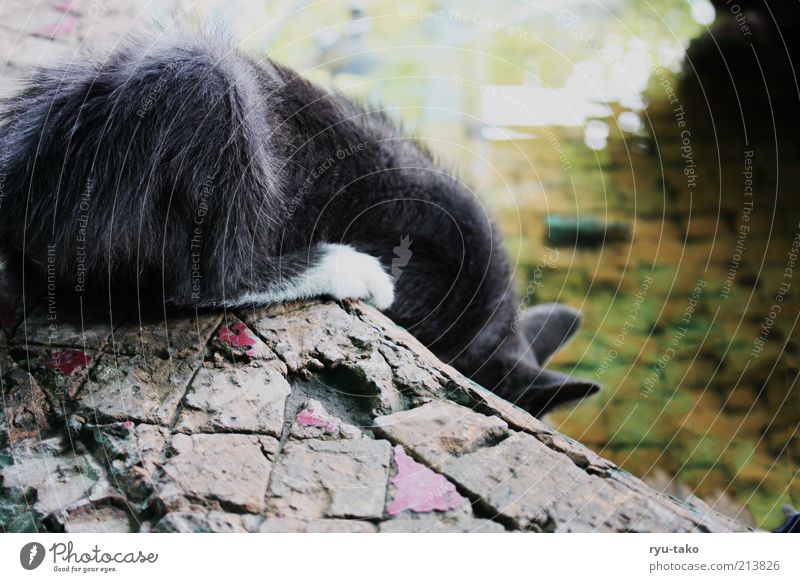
(639, 423)
(703, 452)
(765, 507)
(16, 515)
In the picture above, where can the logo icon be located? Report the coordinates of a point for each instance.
(402, 255)
(31, 555)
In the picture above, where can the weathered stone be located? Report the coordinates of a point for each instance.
(53, 475)
(61, 371)
(518, 478)
(458, 523)
(71, 328)
(415, 368)
(203, 454)
(528, 482)
(316, 479)
(25, 406)
(132, 454)
(88, 517)
(678, 232)
(55, 374)
(140, 388)
(440, 430)
(585, 458)
(217, 471)
(291, 524)
(243, 398)
(376, 372)
(28, 51)
(334, 391)
(492, 405)
(533, 486)
(308, 337)
(411, 374)
(607, 505)
(723, 501)
(314, 422)
(300, 335)
(165, 337)
(210, 522)
(65, 361)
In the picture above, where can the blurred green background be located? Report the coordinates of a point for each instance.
(615, 166)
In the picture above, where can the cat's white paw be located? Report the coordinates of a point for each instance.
(349, 274)
(342, 273)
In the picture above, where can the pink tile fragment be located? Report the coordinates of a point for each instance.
(237, 336)
(419, 489)
(308, 417)
(66, 361)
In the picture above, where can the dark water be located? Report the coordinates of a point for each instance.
(662, 204)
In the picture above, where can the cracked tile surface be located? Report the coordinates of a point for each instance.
(310, 417)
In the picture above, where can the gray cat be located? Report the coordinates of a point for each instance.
(186, 167)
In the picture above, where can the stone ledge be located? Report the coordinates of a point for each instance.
(315, 416)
